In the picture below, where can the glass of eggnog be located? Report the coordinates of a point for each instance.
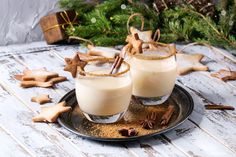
(103, 97)
(154, 73)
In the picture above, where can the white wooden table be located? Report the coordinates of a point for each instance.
(204, 134)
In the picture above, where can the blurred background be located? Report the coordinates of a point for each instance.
(19, 21)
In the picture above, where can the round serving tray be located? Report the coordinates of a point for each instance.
(75, 122)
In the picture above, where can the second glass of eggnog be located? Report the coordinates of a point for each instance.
(103, 97)
(154, 74)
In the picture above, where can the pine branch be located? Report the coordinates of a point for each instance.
(105, 23)
(213, 27)
(185, 24)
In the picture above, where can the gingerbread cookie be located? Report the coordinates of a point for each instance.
(57, 79)
(39, 78)
(41, 75)
(225, 75)
(41, 99)
(134, 44)
(51, 113)
(72, 65)
(190, 62)
(103, 51)
(28, 84)
(49, 83)
(145, 36)
(85, 56)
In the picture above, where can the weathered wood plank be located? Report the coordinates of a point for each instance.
(70, 56)
(40, 139)
(213, 59)
(213, 140)
(154, 147)
(210, 121)
(22, 48)
(40, 130)
(11, 67)
(10, 147)
(191, 139)
(217, 124)
(49, 59)
(212, 89)
(217, 54)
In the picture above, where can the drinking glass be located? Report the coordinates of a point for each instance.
(103, 97)
(154, 73)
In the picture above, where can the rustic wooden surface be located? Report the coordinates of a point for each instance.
(204, 134)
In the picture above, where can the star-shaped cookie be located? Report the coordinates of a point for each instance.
(41, 99)
(86, 56)
(49, 83)
(51, 113)
(190, 62)
(225, 75)
(145, 36)
(135, 44)
(72, 65)
(108, 52)
(41, 75)
(39, 78)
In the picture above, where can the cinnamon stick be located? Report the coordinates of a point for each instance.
(116, 65)
(139, 44)
(167, 115)
(218, 107)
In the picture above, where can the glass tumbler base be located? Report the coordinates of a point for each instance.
(153, 100)
(104, 119)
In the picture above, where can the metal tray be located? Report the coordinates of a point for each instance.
(75, 122)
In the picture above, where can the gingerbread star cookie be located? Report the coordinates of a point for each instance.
(28, 84)
(190, 62)
(145, 36)
(73, 64)
(51, 113)
(225, 75)
(39, 78)
(86, 56)
(41, 99)
(135, 44)
(41, 75)
(49, 83)
(103, 51)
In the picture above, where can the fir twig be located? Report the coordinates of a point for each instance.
(105, 23)
(221, 35)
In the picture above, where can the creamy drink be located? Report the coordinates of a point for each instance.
(103, 99)
(103, 95)
(153, 76)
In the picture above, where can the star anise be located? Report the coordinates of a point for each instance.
(149, 121)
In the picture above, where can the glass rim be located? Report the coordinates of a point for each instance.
(171, 47)
(108, 60)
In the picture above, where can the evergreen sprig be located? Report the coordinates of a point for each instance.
(186, 24)
(105, 23)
